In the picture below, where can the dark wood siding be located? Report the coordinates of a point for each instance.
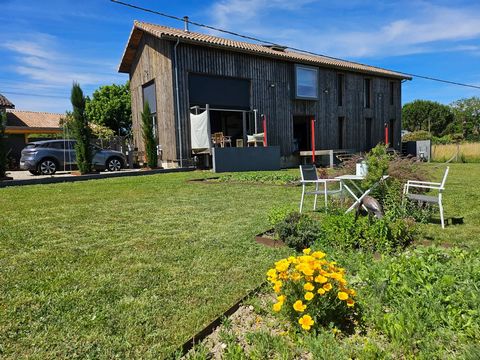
(272, 94)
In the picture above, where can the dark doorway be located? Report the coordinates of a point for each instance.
(368, 133)
(391, 133)
(341, 132)
(302, 133)
(228, 123)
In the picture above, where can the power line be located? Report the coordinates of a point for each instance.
(272, 43)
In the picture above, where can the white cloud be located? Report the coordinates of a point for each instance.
(44, 67)
(426, 28)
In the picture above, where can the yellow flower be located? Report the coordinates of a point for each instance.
(321, 291)
(282, 265)
(350, 302)
(327, 287)
(281, 298)
(321, 279)
(298, 306)
(308, 286)
(308, 295)
(306, 251)
(352, 292)
(306, 321)
(342, 295)
(272, 273)
(296, 276)
(318, 254)
(277, 306)
(277, 287)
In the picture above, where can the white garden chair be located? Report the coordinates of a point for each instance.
(310, 177)
(435, 199)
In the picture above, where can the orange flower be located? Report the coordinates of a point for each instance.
(277, 306)
(350, 302)
(321, 291)
(327, 287)
(321, 279)
(342, 295)
(308, 286)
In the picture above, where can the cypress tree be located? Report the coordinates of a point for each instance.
(148, 138)
(3, 151)
(81, 130)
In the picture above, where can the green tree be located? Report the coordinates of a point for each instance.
(425, 114)
(110, 106)
(148, 137)
(81, 130)
(467, 117)
(3, 151)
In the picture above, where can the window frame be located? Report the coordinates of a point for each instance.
(153, 114)
(310, 68)
(367, 100)
(392, 93)
(340, 89)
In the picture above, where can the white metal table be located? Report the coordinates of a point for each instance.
(352, 181)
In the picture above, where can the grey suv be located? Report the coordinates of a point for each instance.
(47, 157)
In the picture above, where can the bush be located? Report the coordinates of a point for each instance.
(262, 177)
(383, 235)
(297, 230)
(417, 136)
(3, 153)
(148, 137)
(312, 291)
(81, 130)
(377, 161)
(278, 214)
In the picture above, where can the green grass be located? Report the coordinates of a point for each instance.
(127, 267)
(133, 267)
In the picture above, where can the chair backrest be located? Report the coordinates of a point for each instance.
(442, 186)
(218, 137)
(308, 172)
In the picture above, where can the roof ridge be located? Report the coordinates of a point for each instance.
(36, 112)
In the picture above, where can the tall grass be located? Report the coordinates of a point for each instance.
(467, 152)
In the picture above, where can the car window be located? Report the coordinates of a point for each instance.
(71, 145)
(56, 145)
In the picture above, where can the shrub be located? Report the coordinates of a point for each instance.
(383, 235)
(417, 136)
(81, 130)
(311, 291)
(297, 230)
(278, 214)
(3, 153)
(377, 161)
(148, 137)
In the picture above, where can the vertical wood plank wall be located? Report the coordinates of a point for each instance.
(153, 62)
(272, 93)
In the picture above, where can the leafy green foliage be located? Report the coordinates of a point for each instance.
(81, 130)
(377, 162)
(283, 177)
(467, 118)
(278, 214)
(418, 114)
(148, 137)
(3, 153)
(110, 106)
(417, 135)
(297, 230)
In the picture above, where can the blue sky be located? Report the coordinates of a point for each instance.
(46, 45)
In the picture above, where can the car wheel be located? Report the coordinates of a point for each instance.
(114, 164)
(47, 167)
(34, 172)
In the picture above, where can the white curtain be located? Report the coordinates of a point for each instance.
(200, 131)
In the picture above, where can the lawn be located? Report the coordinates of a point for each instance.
(133, 267)
(128, 267)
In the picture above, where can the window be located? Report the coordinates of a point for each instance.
(306, 82)
(368, 133)
(340, 86)
(149, 96)
(341, 132)
(56, 145)
(367, 93)
(392, 93)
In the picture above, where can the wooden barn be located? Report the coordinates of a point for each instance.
(295, 101)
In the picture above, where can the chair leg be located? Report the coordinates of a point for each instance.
(301, 200)
(316, 196)
(325, 194)
(441, 214)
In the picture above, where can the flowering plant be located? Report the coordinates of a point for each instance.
(311, 290)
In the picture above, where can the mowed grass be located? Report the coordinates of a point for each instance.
(126, 268)
(460, 199)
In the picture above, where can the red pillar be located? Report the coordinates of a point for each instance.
(264, 130)
(386, 134)
(312, 124)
